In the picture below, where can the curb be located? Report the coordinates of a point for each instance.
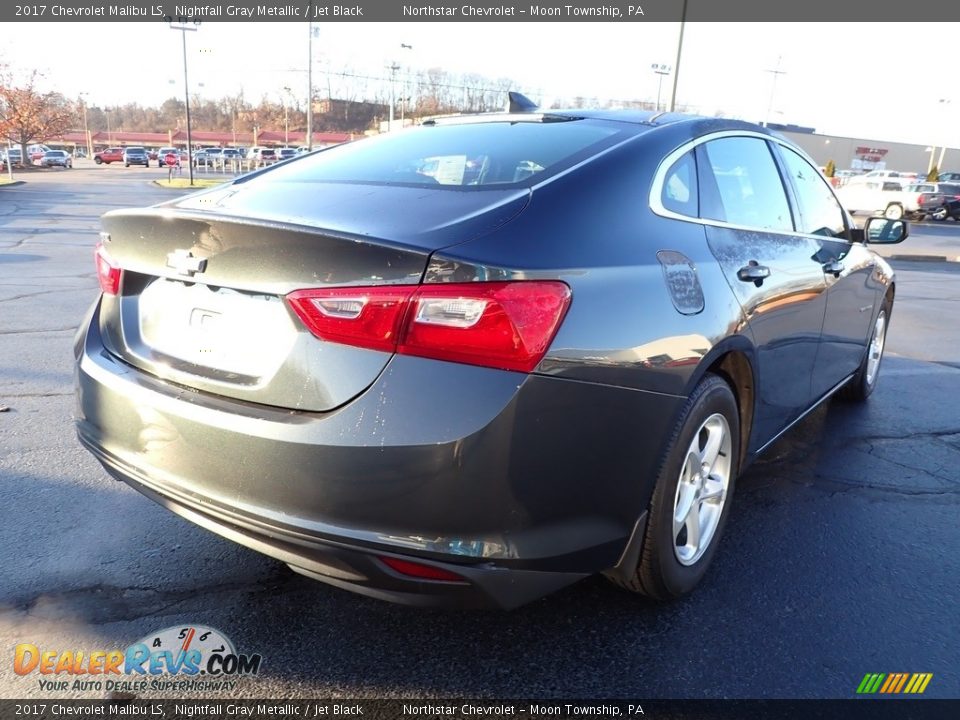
(161, 184)
(13, 184)
(924, 258)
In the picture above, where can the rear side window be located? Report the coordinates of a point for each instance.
(892, 187)
(750, 192)
(679, 192)
(467, 155)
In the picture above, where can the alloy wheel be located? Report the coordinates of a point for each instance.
(702, 489)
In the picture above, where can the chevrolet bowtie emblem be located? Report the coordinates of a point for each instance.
(185, 263)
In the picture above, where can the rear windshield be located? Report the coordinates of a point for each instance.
(473, 154)
(135, 149)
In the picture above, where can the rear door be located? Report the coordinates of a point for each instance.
(774, 272)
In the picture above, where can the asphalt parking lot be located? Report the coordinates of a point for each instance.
(841, 556)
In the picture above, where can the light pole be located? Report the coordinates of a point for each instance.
(286, 117)
(184, 28)
(310, 86)
(403, 100)
(943, 150)
(660, 70)
(87, 140)
(776, 72)
(393, 67)
(109, 134)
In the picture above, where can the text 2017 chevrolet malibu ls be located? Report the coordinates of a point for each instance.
(474, 362)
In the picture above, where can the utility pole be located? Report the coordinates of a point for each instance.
(777, 72)
(676, 71)
(184, 28)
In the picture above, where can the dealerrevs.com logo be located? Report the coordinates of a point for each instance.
(178, 658)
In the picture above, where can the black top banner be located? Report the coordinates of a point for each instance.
(853, 11)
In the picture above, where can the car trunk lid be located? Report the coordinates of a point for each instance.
(204, 279)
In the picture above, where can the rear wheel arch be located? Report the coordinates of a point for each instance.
(735, 368)
(733, 360)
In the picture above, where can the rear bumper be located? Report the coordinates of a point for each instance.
(518, 484)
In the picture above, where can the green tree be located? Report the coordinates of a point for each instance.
(932, 175)
(831, 169)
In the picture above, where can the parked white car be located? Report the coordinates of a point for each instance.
(874, 194)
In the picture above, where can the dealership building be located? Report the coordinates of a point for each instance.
(859, 154)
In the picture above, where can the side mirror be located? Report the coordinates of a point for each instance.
(881, 231)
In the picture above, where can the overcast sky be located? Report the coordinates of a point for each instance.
(839, 78)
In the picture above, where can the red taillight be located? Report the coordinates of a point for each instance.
(506, 325)
(108, 272)
(367, 317)
(420, 571)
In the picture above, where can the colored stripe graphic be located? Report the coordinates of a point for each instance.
(903, 681)
(894, 683)
(870, 683)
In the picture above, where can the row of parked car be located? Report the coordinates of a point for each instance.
(46, 158)
(902, 195)
(202, 157)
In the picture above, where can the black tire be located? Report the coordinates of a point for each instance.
(98, 161)
(660, 573)
(894, 211)
(863, 383)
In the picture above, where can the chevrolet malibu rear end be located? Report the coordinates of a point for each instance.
(426, 367)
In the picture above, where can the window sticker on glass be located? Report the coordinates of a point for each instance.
(450, 169)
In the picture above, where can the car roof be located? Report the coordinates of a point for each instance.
(636, 117)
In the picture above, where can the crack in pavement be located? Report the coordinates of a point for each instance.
(842, 487)
(102, 603)
(914, 468)
(55, 291)
(34, 332)
(7, 396)
(935, 434)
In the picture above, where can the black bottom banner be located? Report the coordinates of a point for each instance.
(865, 709)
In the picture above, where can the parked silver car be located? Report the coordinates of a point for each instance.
(56, 158)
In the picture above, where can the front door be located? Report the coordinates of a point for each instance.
(773, 271)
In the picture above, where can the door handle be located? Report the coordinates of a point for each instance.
(754, 272)
(834, 267)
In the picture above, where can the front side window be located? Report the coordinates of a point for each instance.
(820, 214)
(749, 189)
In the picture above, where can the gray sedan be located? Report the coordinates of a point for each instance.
(475, 362)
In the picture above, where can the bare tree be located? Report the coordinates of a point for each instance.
(27, 114)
